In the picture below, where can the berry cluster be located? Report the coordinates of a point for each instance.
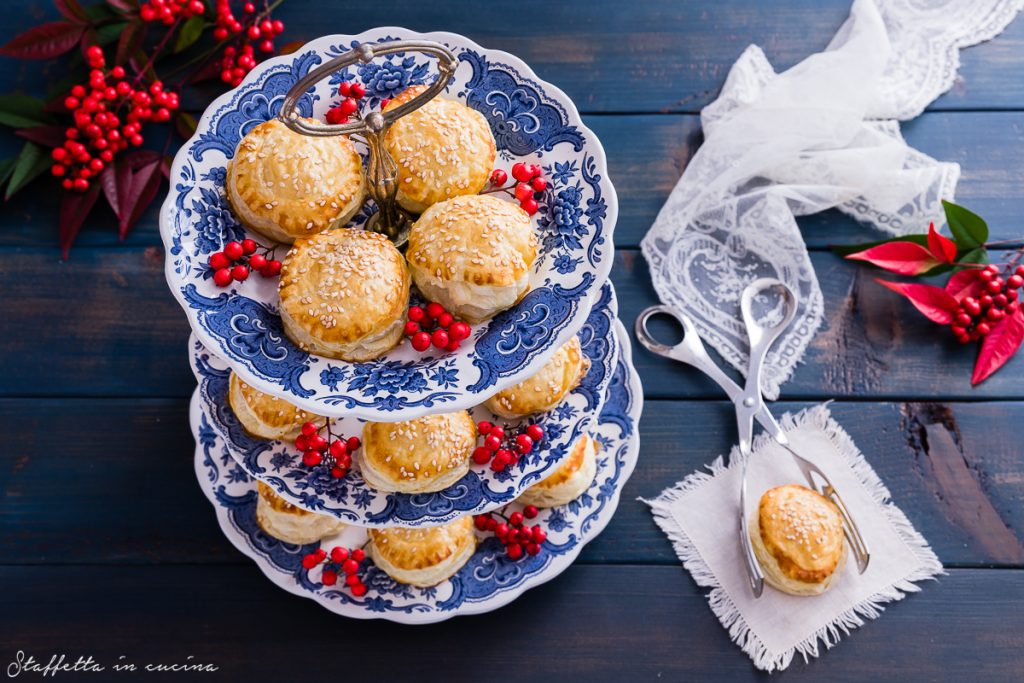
(238, 259)
(169, 11)
(254, 29)
(341, 560)
(434, 325)
(519, 539)
(998, 298)
(334, 454)
(351, 92)
(100, 132)
(503, 450)
(528, 186)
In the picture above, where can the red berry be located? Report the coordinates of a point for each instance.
(233, 250)
(985, 300)
(266, 46)
(339, 554)
(312, 458)
(530, 206)
(445, 320)
(986, 275)
(350, 566)
(963, 319)
(481, 456)
(358, 90)
(317, 443)
(329, 578)
(501, 531)
(492, 524)
(257, 261)
(249, 246)
(301, 442)
(1019, 270)
(421, 341)
(498, 431)
(492, 443)
(411, 328)
(309, 561)
(535, 432)
(218, 260)
(516, 519)
(524, 444)
(480, 522)
(501, 461)
(439, 338)
(348, 106)
(994, 286)
(532, 549)
(271, 269)
(538, 535)
(359, 590)
(535, 171)
(459, 331)
(982, 329)
(539, 184)
(1000, 300)
(222, 277)
(523, 192)
(353, 443)
(358, 555)
(530, 511)
(521, 172)
(335, 116)
(253, 32)
(515, 552)
(338, 449)
(345, 89)
(995, 314)
(278, 27)
(240, 273)
(484, 427)
(971, 306)
(498, 177)
(434, 310)
(416, 313)
(1015, 281)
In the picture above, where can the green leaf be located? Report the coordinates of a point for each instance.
(979, 255)
(30, 164)
(847, 249)
(969, 229)
(6, 168)
(22, 111)
(189, 33)
(108, 33)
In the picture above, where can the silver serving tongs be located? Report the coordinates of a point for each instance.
(749, 404)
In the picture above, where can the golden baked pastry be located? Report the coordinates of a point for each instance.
(798, 539)
(443, 149)
(473, 255)
(291, 524)
(416, 456)
(286, 185)
(544, 390)
(571, 478)
(423, 557)
(344, 294)
(265, 416)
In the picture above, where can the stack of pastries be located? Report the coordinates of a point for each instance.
(344, 293)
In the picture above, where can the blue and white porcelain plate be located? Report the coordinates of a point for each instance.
(350, 499)
(532, 121)
(489, 580)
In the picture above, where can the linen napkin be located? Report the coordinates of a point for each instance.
(700, 516)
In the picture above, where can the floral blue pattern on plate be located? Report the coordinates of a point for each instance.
(488, 581)
(531, 120)
(279, 464)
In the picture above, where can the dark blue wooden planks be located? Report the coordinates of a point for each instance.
(111, 480)
(593, 623)
(641, 56)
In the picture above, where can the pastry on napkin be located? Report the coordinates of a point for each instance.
(700, 516)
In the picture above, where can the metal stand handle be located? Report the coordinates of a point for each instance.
(382, 171)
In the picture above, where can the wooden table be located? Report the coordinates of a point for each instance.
(108, 547)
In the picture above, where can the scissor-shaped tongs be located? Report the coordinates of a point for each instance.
(750, 406)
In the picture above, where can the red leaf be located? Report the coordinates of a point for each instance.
(72, 11)
(73, 210)
(108, 181)
(124, 5)
(144, 185)
(941, 247)
(47, 136)
(964, 283)
(905, 258)
(44, 42)
(998, 346)
(936, 304)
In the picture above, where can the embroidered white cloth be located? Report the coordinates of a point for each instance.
(822, 134)
(700, 516)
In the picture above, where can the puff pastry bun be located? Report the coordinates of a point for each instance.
(797, 536)
(473, 255)
(573, 476)
(286, 185)
(265, 416)
(423, 557)
(417, 456)
(443, 149)
(284, 521)
(344, 294)
(545, 389)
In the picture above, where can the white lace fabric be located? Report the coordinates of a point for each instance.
(821, 135)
